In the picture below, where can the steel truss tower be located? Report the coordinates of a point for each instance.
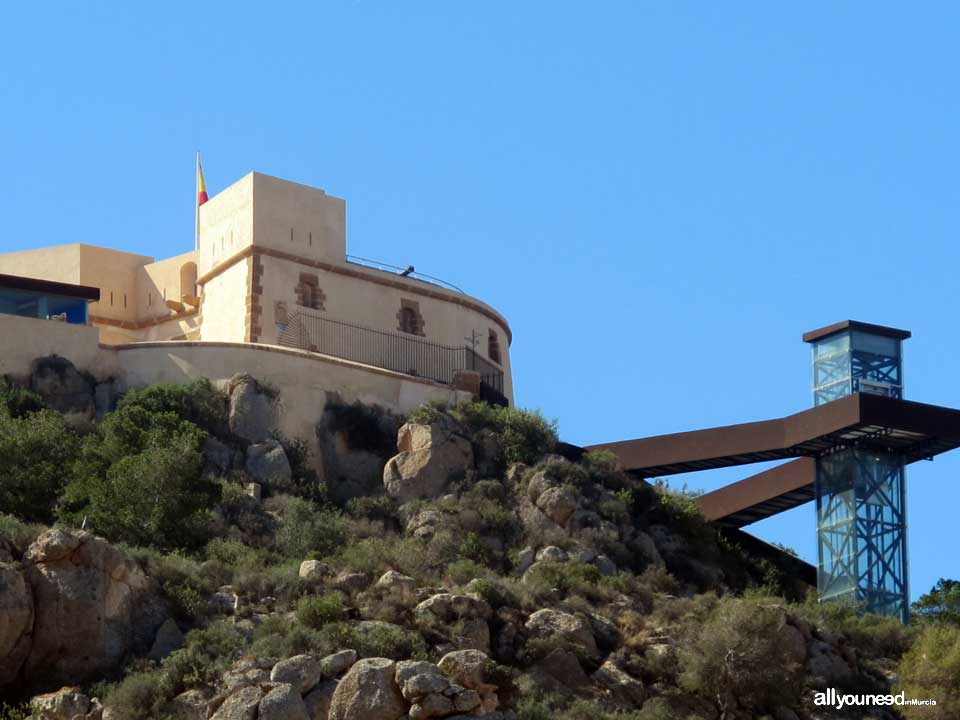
(860, 493)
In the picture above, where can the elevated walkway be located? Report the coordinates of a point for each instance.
(915, 431)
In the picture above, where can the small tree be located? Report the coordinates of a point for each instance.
(941, 603)
(738, 652)
(139, 480)
(36, 453)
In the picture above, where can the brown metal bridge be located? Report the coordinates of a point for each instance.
(912, 430)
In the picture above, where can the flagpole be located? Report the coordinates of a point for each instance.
(196, 206)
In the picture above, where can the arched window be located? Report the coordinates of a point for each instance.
(409, 318)
(493, 347)
(309, 293)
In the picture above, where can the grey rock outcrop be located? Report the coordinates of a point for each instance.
(282, 703)
(16, 622)
(252, 412)
(62, 386)
(92, 606)
(67, 703)
(368, 692)
(267, 464)
(549, 624)
(241, 705)
(430, 455)
(300, 671)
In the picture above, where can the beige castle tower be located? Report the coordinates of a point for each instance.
(271, 269)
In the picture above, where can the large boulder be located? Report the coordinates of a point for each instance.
(282, 703)
(317, 701)
(300, 671)
(335, 665)
(401, 588)
(368, 692)
(65, 704)
(92, 606)
(556, 625)
(621, 687)
(430, 455)
(16, 622)
(267, 464)
(471, 669)
(253, 412)
(241, 705)
(62, 386)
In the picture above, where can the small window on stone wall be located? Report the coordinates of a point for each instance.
(309, 293)
(493, 347)
(409, 318)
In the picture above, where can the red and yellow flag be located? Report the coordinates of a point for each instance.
(201, 186)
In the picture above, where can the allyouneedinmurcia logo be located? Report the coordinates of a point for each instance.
(831, 698)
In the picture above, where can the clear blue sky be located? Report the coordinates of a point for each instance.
(660, 197)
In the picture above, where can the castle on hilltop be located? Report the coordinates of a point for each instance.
(270, 279)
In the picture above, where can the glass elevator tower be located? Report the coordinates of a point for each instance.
(861, 510)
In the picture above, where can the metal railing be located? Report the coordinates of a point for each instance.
(391, 351)
(403, 272)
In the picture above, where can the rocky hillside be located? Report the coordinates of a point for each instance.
(450, 564)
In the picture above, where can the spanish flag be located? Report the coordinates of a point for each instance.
(201, 185)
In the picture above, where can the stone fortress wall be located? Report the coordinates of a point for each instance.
(270, 251)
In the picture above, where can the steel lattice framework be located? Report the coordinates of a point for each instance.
(861, 522)
(861, 530)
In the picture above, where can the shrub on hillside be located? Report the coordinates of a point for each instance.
(307, 528)
(205, 656)
(524, 435)
(139, 480)
(931, 669)
(881, 635)
(942, 603)
(198, 402)
(315, 611)
(737, 653)
(18, 401)
(36, 453)
(18, 534)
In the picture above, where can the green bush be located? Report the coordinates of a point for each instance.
(277, 637)
(181, 581)
(375, 639)
(139, 696)
(36, 454)
(233, 554)
(942, 603)
(873, 634)
(931, 669)
(18, 534)
(207, 653)
(464, 570)
(307, 528)
(315, 611)
(282, 582)
(737, 652)
(138, 480)
(14, 712)
(570, 578)
(198, 403)
(524, 435)
(18, 401)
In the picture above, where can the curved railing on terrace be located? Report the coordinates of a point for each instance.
(403, 272)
